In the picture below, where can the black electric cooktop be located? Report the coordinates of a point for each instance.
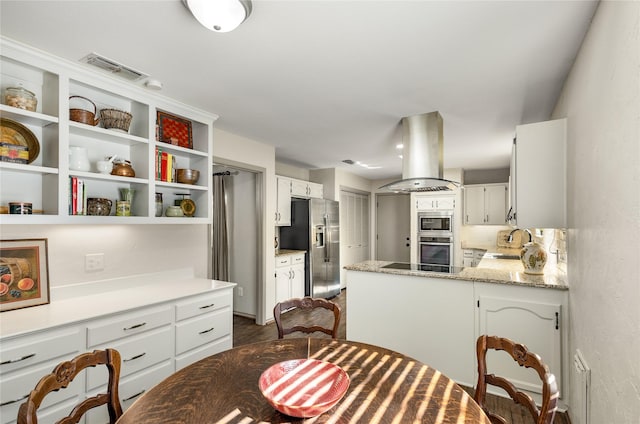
(443, 269)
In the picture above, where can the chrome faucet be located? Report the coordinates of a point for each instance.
(526, 230)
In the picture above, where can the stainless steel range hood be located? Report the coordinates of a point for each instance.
(421, 155)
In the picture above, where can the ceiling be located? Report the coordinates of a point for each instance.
(328, 80)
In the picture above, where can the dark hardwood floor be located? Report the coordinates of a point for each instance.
(246, 331)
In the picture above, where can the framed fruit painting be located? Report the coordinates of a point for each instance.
(24, 273)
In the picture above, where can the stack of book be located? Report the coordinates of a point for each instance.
(77, 196)
(165, 166)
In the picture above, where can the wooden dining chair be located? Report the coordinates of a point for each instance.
(524, 358)
(63, 374)
(306, 304)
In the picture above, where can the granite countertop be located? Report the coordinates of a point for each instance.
(284, 252)
(498, 271)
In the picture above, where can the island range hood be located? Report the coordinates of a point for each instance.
(421, 156)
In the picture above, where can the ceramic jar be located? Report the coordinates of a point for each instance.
(174, 211)
(79, 159)
(534, 258)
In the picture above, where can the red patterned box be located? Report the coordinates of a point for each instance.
(174, 130)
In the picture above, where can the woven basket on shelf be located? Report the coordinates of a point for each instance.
(115, 119)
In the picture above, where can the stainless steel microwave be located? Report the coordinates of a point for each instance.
(435, 223)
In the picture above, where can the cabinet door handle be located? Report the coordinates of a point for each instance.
(14, 401)
(487, 219)
(135, 326)
(135, 357)
(557, 321)
(13, 361)
(207, 306)
(134, 396)
(207, 331)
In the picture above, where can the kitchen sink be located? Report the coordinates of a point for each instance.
(501, 256)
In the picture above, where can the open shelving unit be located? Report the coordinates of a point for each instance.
(45, 181)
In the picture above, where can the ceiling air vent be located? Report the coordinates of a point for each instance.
(113, 67)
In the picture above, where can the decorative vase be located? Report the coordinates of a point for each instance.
(534, 258)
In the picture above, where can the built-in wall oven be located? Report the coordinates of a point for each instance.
(435, 238)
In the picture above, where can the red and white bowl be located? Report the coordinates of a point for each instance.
(303, 388)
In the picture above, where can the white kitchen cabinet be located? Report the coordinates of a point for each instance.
(306, 189)
(289, 276)
(528, 315)
(485, 204)
(283, 201)
(45, 182)
(154, 341)
(538, 175)
(430, 202)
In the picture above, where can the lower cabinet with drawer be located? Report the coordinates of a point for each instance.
(289, 276)
(25, 360)
(204, 326)
(154, 341)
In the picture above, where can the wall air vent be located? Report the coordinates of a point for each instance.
(113, 67)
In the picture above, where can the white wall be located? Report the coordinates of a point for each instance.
(128, 249)
(291, 171)
(601, 101)
(250, 154)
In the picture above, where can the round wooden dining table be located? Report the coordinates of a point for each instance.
(386, 387)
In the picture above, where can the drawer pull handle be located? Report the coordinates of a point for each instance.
(14, 401)
(207, 306)
(206, 331)
(13, 361)
(134, 357)
(135, 326)
(134, 396)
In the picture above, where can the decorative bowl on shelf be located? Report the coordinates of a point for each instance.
(187, 176)
(99, 206)
(303, 388)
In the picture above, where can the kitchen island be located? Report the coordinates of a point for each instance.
(436, 317)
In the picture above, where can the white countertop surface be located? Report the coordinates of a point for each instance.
(80, 302)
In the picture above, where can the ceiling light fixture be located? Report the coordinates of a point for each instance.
(219, 15)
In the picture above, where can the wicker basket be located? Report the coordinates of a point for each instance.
(82, 115)
(115, 119)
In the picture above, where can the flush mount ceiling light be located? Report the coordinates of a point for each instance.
(219, 15)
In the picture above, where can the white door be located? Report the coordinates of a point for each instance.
(392, 227)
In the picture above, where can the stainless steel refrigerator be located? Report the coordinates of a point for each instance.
(315, 227)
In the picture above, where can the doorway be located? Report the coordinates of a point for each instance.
(393, 227)
(243, 216)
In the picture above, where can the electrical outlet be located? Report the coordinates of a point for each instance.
(94, 262)
(240, 291)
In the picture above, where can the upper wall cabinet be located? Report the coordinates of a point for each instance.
(306, 189)
(538, 176)
(283, 201)
(439, 202)
(54, 140)
(485, 204)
